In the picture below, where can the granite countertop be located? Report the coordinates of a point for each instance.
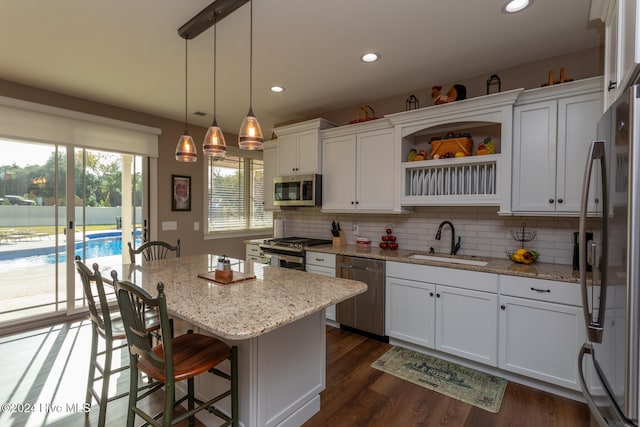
(241, 310)
(537, 270)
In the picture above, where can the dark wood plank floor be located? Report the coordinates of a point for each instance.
(49, 366)
(358, 395)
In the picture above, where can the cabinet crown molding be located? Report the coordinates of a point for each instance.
(318, 123)
(577, 87)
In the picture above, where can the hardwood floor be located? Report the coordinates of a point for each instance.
(358, 395)
(49, 367)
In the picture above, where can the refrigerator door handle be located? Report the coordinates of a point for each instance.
(594, 326)
(587, 348)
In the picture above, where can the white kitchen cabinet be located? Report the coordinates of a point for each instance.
(299, 149)
(467, 324)
(421, 310)
(255, 253)
(541, 329)
(410, 311)
(325, 265)
(622, 46)
(551, 139)
(270, 159)
(359, 173)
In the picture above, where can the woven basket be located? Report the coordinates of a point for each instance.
(451, 145)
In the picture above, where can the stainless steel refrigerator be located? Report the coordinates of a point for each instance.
(608, 361)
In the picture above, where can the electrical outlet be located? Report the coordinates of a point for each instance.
(355, 228)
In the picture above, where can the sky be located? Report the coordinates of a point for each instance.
(23, 154)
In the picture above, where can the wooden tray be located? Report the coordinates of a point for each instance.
(237, 277)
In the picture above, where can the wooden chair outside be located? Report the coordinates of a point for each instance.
(177, 359)
(153, 250)
(106, 325)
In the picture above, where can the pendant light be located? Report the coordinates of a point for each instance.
(250, 135)
(214, 144)
(186, 150)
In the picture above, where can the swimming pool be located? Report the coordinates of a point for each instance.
(93, 248)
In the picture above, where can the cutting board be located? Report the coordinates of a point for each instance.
(237, 277)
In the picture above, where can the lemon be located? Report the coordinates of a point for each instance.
(518, 257)
(459, 154)
(521, 251)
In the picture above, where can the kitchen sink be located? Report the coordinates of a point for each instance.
(450, 260)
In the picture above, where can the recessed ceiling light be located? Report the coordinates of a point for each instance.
(277, 89)
(370, 57)
(514, 6)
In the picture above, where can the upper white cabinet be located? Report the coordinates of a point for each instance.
(553, 129)
(622, 46)
(470, 180)
(299, 149)
(360, 169)
(270, 159)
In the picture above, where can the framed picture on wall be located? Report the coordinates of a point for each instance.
(181, 193)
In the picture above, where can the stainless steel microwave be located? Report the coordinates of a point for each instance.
(297, 190)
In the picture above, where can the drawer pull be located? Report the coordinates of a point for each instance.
(540, 290)
(320, 259)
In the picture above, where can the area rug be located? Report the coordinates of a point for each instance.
(459, 382)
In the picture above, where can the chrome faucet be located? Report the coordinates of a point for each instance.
(455, 247)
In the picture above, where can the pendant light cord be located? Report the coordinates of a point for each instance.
(215, 64)
(251, 56)
(186, 99)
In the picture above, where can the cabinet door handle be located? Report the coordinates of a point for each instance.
(503, 307)
(352, 202)
(560, 200)
(551, 200)
(437, 295)
(612, 85)
(430, 294)
(540, 290)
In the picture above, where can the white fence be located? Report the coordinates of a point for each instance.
(29, 216)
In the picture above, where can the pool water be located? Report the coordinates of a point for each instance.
(93, 248)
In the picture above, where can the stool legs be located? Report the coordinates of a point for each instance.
(234, 385)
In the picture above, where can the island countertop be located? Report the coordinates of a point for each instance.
(241, 310)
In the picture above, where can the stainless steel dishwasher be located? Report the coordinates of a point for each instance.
(364, 312)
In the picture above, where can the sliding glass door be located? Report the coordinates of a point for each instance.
(57, 202)
(32, 234)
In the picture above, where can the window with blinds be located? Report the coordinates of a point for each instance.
(236, 195)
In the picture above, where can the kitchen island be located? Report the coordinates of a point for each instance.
(277, 320)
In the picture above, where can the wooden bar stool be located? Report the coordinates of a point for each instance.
(154, 250)
(177, 359)
(107, 326)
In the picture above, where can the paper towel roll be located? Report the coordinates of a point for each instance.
(278, 228)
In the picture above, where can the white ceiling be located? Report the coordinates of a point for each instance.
(127, 53)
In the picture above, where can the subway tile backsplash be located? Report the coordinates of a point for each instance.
(483, 232)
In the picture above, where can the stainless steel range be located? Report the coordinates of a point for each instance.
(289, 252)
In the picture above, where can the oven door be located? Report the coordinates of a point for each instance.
(287, 261)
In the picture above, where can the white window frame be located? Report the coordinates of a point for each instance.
(246, 232)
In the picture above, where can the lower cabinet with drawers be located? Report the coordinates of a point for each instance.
(530, 327)
(541, 329)
(323, 264)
